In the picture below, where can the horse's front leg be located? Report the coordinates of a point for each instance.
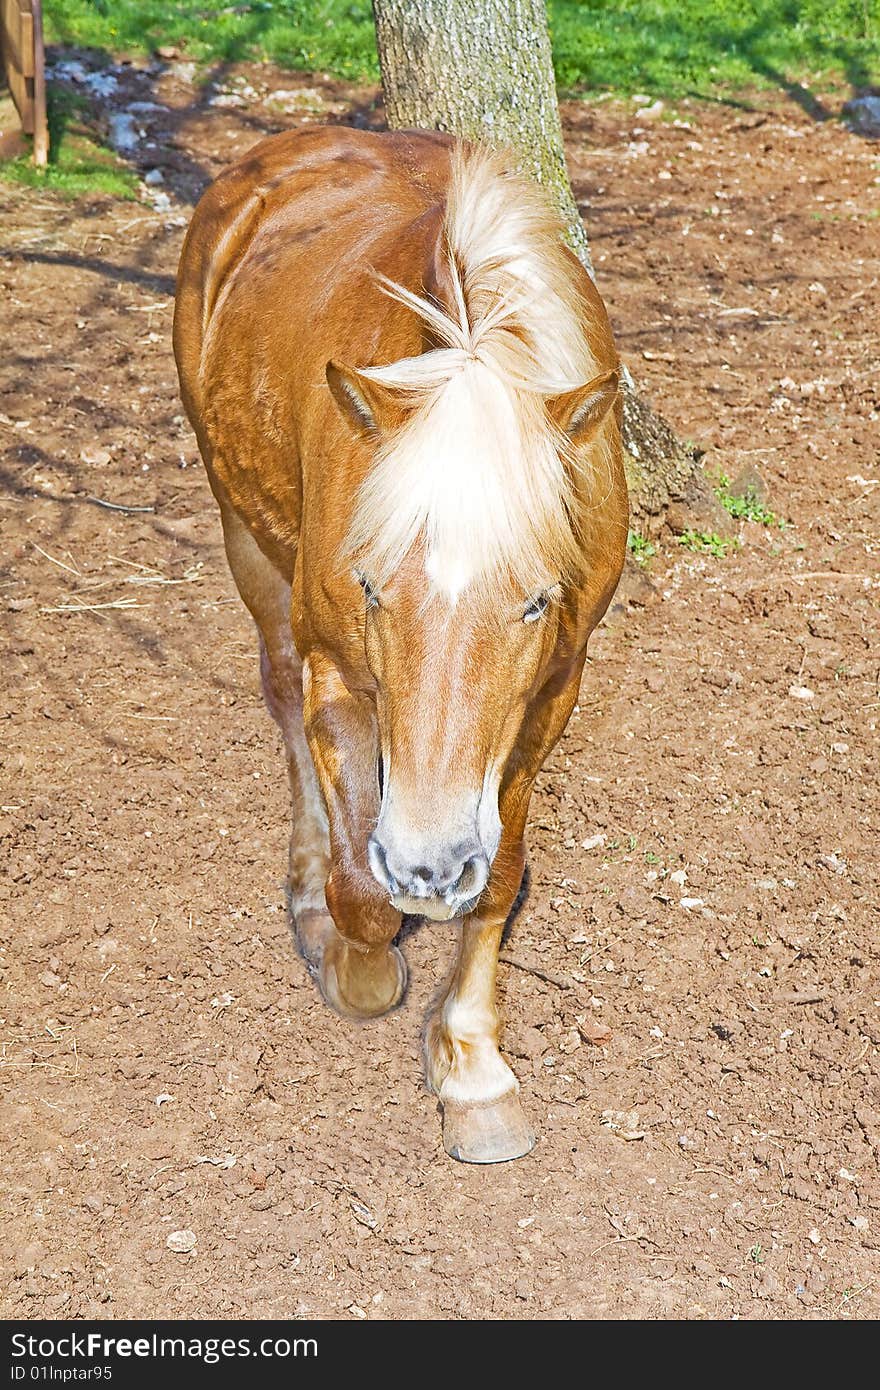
(483, 1121)
(360, 972)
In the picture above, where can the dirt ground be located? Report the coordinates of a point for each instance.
(704, 878)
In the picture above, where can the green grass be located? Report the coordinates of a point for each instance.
(707, 543)
(747, 507)
(333, 36)
(670, 48)
(640, 547)
(78, 163)
(676, 48)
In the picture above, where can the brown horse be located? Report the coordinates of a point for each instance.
(425, 538)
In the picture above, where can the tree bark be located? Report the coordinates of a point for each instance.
(483, 70)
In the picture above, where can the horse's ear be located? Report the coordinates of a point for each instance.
(370, 407)
(580, 412)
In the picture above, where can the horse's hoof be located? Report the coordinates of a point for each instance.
(494, 1133)
(358, 989)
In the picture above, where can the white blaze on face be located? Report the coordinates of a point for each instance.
(456, 454)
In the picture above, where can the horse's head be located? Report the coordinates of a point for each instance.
(468, 542)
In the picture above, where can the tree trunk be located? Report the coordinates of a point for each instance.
(483, 70)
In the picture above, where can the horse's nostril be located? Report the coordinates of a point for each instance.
(378, 861)
(424, 873)
(473, 877)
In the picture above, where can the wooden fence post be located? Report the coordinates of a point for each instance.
(21, 33)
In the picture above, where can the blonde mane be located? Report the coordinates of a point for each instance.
(478, 471)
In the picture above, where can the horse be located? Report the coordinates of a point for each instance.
(407, 398)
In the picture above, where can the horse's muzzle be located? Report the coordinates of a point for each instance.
(446, 884)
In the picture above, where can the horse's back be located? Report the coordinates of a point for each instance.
(277, 277)
(306, 204)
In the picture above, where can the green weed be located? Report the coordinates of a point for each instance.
(708, 543)
(746, 508)
(640, 547)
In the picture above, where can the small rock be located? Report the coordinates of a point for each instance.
(570, 1041)
(123, 133)
(98, 457)
(363, 1215)
(863, 114)
(154, 176)
(183, 71)
(623, 1122)
(181, 1242)
(596, 1033)
(801, 692)
(721, 679)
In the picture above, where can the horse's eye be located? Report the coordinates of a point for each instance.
(369, 592)
(537, 608)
